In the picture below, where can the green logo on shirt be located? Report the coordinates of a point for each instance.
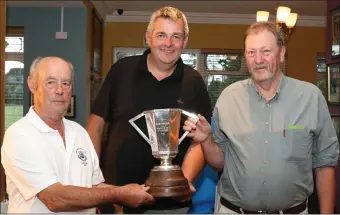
(295, 127)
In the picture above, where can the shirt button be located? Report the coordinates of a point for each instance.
(266, 141)
(265, 162)
(264, 182)
(267, 123)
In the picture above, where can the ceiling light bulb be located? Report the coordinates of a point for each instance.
(282, 14)
(292, 18)
(262, 16)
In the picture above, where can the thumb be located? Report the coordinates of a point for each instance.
(191, 187)
(201, 118)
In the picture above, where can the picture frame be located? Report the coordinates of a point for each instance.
(333, 83)
(335, 33)
(71, 111)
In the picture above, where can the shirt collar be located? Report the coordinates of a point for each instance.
(278, 91)
(35, 119)
(176, 75)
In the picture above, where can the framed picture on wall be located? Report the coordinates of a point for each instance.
(335, 32)
(71, 111)
(333, 84)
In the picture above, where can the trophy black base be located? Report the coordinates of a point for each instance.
(167, 182)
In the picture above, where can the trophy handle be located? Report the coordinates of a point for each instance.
(132, 122)
(194, 116)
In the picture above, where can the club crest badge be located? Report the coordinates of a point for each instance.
(82, 155)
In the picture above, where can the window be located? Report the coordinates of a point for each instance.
(220, 69)
(321, 74)
(14, 79)
(120, 53)
(223, 62)
(189, 56)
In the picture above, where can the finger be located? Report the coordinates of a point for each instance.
(187, 128)
(190, 123)
(191, 134)
(201, 118)
(145, 188)
(192, 188)
(149, 198)
(193, 120)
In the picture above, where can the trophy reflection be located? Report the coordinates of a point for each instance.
(163, 127)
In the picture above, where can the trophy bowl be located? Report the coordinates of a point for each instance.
(165, 180)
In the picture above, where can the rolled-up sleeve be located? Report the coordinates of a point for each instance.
(326, 145)
(218, 136)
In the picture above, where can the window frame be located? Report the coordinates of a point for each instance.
(324, 74)
(142, 49)
(9, 31)
(205, 52)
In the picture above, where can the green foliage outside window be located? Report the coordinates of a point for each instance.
(14, 88)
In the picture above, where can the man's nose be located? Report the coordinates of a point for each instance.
(258, 58)
(168, 42)
(59, 90)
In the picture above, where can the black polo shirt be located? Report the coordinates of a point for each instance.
(130, 89)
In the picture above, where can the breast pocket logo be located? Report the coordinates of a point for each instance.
(82, 155)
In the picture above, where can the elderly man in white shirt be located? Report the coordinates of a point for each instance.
(49, 161)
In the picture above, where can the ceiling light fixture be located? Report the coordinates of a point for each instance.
(284, 19)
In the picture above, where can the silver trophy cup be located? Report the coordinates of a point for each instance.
(163, 128)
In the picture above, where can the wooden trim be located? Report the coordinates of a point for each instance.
(88, 4)
(2, 89)
(221, 72)
(89, 49)
(15, 31)
(221, 51)
(95, 20)
(321, 54)
(98, 16)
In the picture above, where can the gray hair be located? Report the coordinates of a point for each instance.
(271, 27)
(37, 61)
(168, 13)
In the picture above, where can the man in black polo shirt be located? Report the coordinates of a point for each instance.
(157, 79)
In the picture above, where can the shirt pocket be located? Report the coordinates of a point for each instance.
(295, 145)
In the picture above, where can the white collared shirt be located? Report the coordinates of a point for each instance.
(34, 157)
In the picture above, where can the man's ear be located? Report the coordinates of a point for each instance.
(148, 37)
(31, 82)
(185, 42)
(282, 54)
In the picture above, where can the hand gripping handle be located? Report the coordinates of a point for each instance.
(194, 116)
